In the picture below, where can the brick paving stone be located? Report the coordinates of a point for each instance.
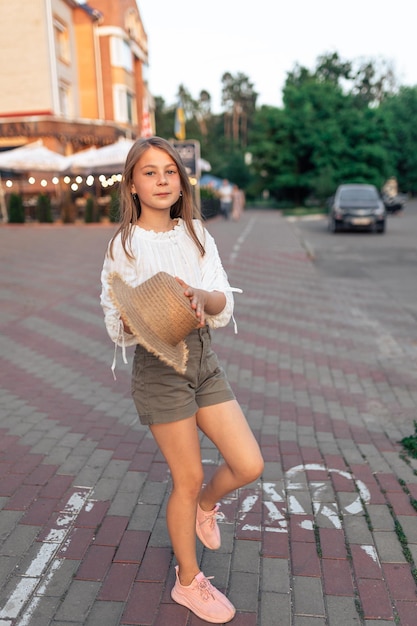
(77, 543)
(305, 561)
(155, 565)
(381, 518)
(299, 531)
(332, 543)
(337, 577)
(246, 556)
(406, 612)
(105, 614)
(275, 576)
(308, 596)
(111, 531)
(56, 487)
(132, 547)
(244, 590)
(118, 582)
(9, 483)
(22, 498)
(365, 561)
(401, 505)
(409, 525)
(389, 547)
(39, 511)
(19, 540)
(41, 475)
(400, 581)
(273, 605)
(77, 603)
(96, 563)
(92, 515)
(172, 614)
(342, 611)
(375, 599)
(142, 606)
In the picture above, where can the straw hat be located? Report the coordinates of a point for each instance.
(158, 314)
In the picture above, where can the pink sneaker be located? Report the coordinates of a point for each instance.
(203, 599)
(207, 528)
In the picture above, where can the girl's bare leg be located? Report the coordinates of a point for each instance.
(180, 445)
(226, 426)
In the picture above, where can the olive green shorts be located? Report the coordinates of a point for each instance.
(162, 395)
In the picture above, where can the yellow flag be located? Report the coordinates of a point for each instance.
(179, 128)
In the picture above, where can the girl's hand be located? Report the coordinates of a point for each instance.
(198, 299)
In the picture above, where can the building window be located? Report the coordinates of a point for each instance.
(121, 54)
(62, 42)
(123, 104)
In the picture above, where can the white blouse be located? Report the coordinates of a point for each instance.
(173, 252)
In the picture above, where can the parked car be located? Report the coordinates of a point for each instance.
(357, 206)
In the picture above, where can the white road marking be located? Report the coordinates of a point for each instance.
(34, 581)
(273, 496)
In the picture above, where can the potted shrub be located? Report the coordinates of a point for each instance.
(210, 202)
(16, 209)
(114, 207)
(43, 208)
(92, 211)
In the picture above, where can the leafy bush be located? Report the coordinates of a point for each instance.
(43, 208)
(208, 193)
(16, 209)
(114, 209)
(92, 211)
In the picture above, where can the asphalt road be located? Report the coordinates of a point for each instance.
(389, 260)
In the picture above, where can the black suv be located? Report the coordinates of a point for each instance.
(357, 206)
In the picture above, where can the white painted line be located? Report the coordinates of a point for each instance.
(25, 587)
(242, 238)
(26, 595)
(41, 560)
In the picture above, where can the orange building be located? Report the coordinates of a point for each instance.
(73, 73)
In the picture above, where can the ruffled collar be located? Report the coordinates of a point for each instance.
(168, 234)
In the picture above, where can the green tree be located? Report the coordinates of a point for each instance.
(323, 136)
(239, 100)
(399, 114)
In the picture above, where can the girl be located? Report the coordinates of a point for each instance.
(160, 231)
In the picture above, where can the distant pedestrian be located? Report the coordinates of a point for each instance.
(178, 385)
(238, 203)
(226, 198)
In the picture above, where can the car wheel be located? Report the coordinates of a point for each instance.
(333, 226)
(380, 227)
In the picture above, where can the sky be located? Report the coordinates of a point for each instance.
(194, 43)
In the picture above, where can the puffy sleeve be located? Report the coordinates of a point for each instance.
(127, 268)
(215, 278)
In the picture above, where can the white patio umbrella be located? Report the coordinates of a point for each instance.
(33, 157)
(106, 160)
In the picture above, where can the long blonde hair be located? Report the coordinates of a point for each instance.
(130, 208)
